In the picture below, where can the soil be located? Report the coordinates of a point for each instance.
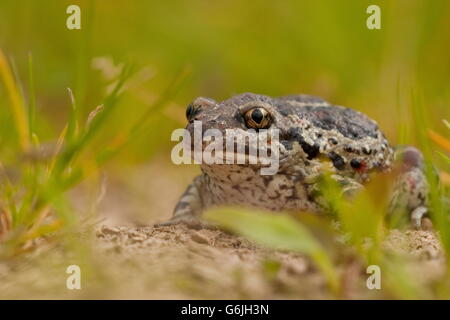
(180, 263)
(125, 259)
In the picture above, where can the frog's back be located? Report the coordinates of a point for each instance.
(346, 134)
(350, 123)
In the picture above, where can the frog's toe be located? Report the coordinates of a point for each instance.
(187, 220)
(416, 216)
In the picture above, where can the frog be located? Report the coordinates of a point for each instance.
(314, 137)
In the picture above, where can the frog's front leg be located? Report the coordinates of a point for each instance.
(189, 207)
(348, 187)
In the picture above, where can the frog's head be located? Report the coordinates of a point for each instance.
(249, 121)
(242, 112)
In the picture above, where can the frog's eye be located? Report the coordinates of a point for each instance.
(257, 118)
(191, 111)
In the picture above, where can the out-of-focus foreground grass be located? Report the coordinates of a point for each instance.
(182, 49)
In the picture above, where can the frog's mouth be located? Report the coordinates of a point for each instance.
(235, 147)
(244, 155)
(230, 158)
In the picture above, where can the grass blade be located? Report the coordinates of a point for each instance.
(17, 104)
(278, 232)
(32, 97)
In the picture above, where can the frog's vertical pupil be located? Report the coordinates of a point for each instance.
(257, 115)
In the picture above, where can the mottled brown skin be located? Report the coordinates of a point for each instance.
(411, 188)
(314, 136)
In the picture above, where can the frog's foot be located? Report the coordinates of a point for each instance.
(416, 216)
(187, 219)
(410, 194)
(188, 209)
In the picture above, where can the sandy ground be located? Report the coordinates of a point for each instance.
(180, 263)
(124, 257)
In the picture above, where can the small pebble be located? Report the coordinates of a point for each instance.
(199, 238)
(110, 230)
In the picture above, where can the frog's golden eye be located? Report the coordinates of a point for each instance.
(257, 118)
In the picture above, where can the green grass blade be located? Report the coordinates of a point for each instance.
(17, 105)
(72, 125)
(32, 97)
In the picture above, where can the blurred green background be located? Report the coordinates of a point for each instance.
(270, 47)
